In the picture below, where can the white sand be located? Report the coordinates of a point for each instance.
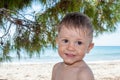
(43, 71)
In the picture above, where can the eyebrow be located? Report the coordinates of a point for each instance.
(76, 39)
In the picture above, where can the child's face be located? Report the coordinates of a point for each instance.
(73, 44)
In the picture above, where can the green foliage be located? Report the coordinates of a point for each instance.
(4, 55)
(104, 14)
(34, 35)
(14, 4)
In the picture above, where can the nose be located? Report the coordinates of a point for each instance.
(71, 47)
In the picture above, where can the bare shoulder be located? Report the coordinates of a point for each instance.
(55, 70)
(85, 73)
(57, 65)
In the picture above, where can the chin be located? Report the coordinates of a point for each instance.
(71, 62)
(68, 63)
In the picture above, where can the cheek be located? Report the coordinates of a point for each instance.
(60, 49)
(81, 54)
(82, 51)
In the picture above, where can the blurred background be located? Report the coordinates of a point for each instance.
(28, 28)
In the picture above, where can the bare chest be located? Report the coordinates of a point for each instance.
(66, 75)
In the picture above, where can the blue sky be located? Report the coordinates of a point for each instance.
(108, 39)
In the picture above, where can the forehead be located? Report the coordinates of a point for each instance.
(71, 30)
(73, 33)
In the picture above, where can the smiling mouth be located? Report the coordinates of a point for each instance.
(70, 55)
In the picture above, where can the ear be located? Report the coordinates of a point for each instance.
(91, 45)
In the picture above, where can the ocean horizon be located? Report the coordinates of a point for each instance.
(98, 53)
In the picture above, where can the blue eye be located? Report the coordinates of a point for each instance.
(79, 42)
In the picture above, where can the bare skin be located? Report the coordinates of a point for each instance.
(78, 71)
(72, 46)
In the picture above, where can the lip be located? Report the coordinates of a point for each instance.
(70, 55)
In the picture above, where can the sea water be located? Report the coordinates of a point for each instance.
(104, 53)
(98, 53)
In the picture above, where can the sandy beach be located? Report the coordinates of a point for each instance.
(42, 71)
